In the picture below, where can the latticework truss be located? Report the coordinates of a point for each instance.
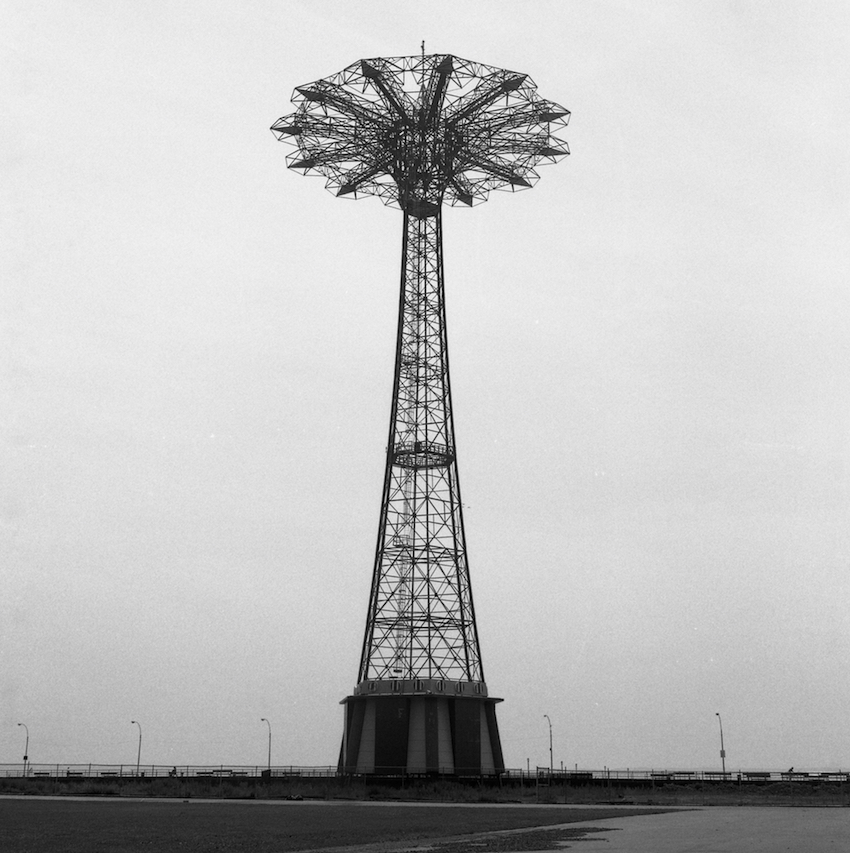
(418, 132)
(421, 621)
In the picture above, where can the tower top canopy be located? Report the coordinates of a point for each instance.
(418, 131)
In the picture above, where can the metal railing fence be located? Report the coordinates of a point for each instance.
(539, 775)
(159, 771)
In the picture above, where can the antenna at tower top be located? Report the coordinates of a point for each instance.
(423, 50)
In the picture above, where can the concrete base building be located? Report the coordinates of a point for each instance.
(421, 727)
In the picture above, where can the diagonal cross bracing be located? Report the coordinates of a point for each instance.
(421, 621)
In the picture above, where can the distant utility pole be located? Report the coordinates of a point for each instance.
(551, 763)
(264, 720)
(26, 747)
(722, 750)
(139, 753)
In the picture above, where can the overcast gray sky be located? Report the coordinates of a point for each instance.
(649, 361)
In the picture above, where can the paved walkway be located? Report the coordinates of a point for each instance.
(723, 829)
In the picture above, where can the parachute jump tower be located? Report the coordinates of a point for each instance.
(420, 132)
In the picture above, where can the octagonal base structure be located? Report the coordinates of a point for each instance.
(421, 727)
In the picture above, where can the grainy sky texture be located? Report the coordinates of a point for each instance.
(650, 373)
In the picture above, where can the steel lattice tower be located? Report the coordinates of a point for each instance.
(418, 132)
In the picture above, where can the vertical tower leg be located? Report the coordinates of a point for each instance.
(421, 703)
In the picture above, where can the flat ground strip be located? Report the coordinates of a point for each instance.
(33, 825)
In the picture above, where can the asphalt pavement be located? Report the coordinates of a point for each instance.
(723, 829)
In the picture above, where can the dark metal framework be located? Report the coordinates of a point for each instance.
(418, 132)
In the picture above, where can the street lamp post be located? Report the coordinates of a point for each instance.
(722, 750)
(139, 753)
(551, 764)
(264, 720)
(26, 747)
